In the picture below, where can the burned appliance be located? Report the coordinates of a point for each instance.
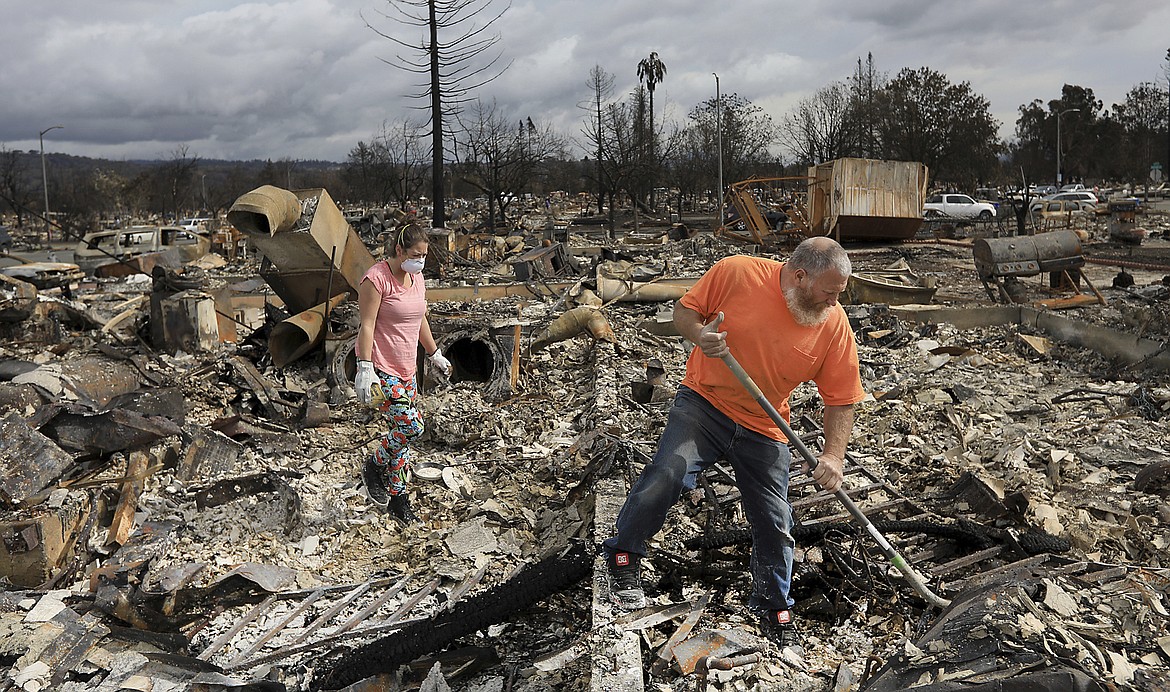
(1123, 221)
(1003, 261)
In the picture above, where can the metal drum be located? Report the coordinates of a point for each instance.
(1054, 251)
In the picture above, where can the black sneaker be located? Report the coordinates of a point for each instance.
(374, 478)
(400, 507)
(625, 580)
(779, 628)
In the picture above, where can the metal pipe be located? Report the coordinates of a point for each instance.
(325, 305)
(729, 662)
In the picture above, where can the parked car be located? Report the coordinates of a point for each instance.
(1058, 207)
(1084, 200)
(1073, 187)
(196, 224)
(956, 206)
(5, 240)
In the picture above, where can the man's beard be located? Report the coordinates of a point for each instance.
(804, 314)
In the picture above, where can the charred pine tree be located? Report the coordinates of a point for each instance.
(450, 53)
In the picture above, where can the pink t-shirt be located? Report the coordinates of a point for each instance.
(400, 317)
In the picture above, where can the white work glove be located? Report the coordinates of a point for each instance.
(363, 380)
(440, 361)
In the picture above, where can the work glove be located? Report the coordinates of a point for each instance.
(364, 380)
(440, 361)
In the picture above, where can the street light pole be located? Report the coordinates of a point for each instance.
(45, 181)
(719, 142)
(1059, 173)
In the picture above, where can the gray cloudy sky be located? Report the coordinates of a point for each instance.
(307, 78)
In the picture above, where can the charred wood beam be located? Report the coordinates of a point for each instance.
(274, 406)
(123, 520)
(532, 585)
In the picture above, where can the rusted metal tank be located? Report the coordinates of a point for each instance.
(1123, 221)
(1027, 255)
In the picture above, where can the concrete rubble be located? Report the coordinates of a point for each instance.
(180, 512)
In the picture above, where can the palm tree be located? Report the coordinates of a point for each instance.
(652, 71)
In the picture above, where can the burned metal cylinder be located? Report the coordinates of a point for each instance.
(301, 333)
(1027, 255)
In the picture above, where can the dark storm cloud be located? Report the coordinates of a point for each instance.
(309, 79)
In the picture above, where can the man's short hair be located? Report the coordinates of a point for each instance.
(818, 255)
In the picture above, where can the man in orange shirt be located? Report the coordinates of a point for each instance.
(783, 324)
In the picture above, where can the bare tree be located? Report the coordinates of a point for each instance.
(111, 188)
(362, 173)
(821, 127)
(175, 178)
(406, 155)
(15, 187)
(600, 85)
(867, 82)
(747, 134)
(451, 65)
(623, 160)
(390, 169)
(498, 160)
(1166, 74)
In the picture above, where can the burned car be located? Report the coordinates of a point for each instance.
(43, 275)
(106, 247)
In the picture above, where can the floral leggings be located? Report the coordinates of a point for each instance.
(406, 425)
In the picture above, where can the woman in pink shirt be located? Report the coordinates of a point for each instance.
(393, 306)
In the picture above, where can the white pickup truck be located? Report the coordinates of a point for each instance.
(956, 206)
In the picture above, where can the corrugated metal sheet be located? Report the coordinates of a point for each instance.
(867, 198)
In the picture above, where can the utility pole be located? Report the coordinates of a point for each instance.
(1059, 176)
(1166, 69)
(719, 142)
(45, 182)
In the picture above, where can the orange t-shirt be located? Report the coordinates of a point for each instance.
(778, 353)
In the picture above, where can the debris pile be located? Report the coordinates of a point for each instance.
(178, 510)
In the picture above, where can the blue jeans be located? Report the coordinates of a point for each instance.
(697, 435)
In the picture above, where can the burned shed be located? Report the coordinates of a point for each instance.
(865, 199)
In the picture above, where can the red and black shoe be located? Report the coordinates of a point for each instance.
(625, 580)
(779, 627)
